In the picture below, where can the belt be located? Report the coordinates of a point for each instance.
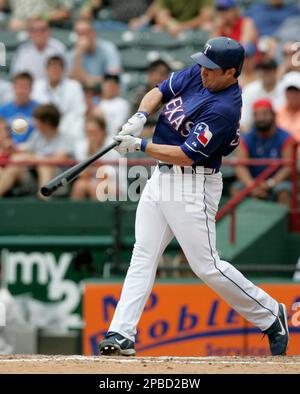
(163, 167)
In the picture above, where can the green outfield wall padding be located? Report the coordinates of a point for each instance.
(261, 234)
(261, 228)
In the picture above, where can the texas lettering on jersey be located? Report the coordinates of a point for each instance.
(174, 113)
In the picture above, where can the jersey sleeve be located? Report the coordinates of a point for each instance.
(208, 137)
(172, 86)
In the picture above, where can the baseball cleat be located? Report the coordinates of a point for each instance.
(278, 333)
(115, 344)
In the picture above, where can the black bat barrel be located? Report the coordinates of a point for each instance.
(72, 173)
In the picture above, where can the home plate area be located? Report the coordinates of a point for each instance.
(148, 365)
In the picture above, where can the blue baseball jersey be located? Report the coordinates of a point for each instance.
(204, 124)
(261, 147)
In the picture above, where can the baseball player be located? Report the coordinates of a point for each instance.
(198, 125)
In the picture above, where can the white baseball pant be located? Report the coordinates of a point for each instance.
(192, 222)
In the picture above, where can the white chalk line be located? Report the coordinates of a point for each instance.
(122, 360)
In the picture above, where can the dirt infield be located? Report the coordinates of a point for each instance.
(169, 365)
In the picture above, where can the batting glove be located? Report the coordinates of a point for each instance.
(128, 144)
(135, 124)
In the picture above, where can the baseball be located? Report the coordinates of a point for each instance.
(19, 125)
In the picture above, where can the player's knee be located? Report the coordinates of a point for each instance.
(205, 270)
(143, 253)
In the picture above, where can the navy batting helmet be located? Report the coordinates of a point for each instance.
(221, 52)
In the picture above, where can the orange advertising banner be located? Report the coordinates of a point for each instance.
(187, 320)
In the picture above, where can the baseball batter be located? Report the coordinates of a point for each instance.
(198, 125)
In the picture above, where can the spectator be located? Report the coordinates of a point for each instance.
(7, 146)
(91, 58)
(21, 107)
(145, 20)
(112, 107)
(53, 11)
(231, 24)
(288, 116)
(249, 73)
(4, 6)
(6, 92)
(46, 143)
(92, 97)
(66, 94)
(290, 59)
(157, 72)
(90, 9)
(265, 141)
(266, 86)
(31, 56)
(268, 17)
(176, 16)
(119, 14)
(86, 185)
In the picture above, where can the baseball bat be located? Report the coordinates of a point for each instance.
(69, 175)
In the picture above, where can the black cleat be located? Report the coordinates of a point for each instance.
(278, 333)
(115, 344)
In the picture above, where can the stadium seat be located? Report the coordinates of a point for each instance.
(182, 57)
(194, 39)
(67, 37)
(8, 59)
(4, 74)
(122, 39)
(134, 59)
(133, 79)
(156, 40)
(11, 39)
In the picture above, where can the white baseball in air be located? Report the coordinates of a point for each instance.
(19, 126)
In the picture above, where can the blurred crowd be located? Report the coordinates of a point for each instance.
(75, 100)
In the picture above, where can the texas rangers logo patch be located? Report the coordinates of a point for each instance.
(203, 133)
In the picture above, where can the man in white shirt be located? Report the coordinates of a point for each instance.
(112, 107)
(66, 94)
(266, 87)
(32, 55)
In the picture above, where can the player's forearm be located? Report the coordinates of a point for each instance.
(58, 15)
(151, 101)
(282, 175)
(243, 174)
(284, 172)
(168, 154)
(77, 71)
(205, 16)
